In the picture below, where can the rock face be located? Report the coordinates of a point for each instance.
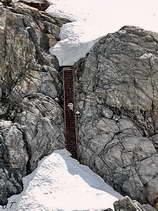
(40, 4)
(126, 204)
(117, 97)
(31, 121)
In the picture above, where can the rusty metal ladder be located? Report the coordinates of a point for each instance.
(69, 111)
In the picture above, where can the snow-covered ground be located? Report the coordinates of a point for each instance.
(61, 183)
(93, 19)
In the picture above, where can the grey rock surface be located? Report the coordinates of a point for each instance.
(148, 207)
(39, 4)
(31, 121)
(126, 204)
(13, 160)
(41, 120)
(117, 97)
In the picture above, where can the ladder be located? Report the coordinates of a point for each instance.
(69, 111)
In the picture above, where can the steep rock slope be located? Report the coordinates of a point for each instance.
(31, 120)
(117, 96)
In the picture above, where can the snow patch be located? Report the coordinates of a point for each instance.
(93, 19)
(61, 183)
(146, 56)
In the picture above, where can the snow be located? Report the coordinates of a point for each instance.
(146, 56)
(61, 183)
(93, 19)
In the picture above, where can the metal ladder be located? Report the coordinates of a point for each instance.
(69, 111)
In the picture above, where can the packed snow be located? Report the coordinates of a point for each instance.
(61, 183)
(93, 19)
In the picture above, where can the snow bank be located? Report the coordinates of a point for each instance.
(61, 183)
(93, 19)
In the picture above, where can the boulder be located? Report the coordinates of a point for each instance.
(24, 56)
(31, 121)
(126, 204)
(13, 160)
(117, 97)
(41, 120)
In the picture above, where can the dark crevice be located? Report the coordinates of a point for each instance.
(41, 5)
(28, 149)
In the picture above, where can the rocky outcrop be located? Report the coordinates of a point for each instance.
(117, 95)
(31, 119)
(126, 204)
(39, 4)
(6, 2)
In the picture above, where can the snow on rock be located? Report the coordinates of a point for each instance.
(93, 19)
(61, 183)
